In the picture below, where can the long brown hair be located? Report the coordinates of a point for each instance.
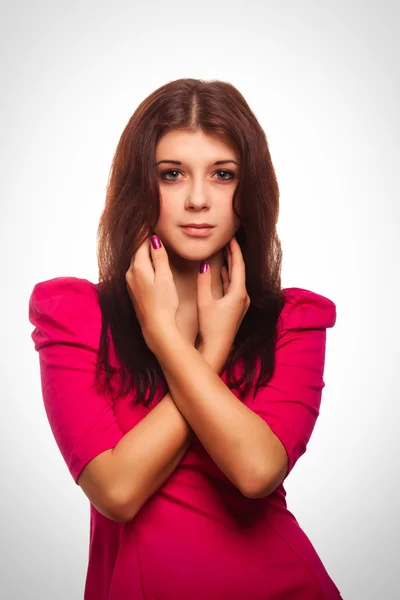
(132, 211)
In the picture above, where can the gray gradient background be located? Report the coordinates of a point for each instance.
(322, 78)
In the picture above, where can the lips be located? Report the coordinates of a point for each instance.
(198, 225)
(197, 231)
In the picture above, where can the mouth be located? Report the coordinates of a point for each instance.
(197, 230)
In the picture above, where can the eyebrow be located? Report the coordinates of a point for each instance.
(178, 162)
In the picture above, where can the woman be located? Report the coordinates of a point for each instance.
(181, 400)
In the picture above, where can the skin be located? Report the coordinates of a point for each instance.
(161, 281)
(189, 320)
(196, 191)
(237, 439)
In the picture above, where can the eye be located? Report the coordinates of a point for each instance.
(164, 174)
(227, 173)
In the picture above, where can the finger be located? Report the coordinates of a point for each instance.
(204, 294)
(141, 258)
(225, 279)
(228, 258)
(237, 274)
(159, 257)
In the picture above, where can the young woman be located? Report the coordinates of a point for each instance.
(184, 386)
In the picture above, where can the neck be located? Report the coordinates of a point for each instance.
(185, 273)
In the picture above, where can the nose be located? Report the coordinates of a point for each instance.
(197, 197)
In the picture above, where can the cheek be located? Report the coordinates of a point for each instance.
(166, 208)
(230, 216)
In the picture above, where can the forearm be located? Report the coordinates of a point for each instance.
(236, 438)
(148, 454)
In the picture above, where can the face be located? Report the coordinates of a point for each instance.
(195, 190)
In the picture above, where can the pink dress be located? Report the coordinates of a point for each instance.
(197, 537)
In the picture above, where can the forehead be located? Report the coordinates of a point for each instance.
(188, 145)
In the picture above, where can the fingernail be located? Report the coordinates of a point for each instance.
(203, 266)
(156, 242)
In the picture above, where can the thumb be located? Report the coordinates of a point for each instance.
(204, 294)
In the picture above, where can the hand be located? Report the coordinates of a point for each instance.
(152, 290)
(219, 320)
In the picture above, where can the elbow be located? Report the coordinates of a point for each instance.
(127, 505)
(117, 513)
(261, 489)
(117, 509)
(112, 511)
(268, 475)
(264, 485)
(122, 511)
(122, 515)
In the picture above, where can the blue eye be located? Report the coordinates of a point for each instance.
(227, 173)
(164, 174)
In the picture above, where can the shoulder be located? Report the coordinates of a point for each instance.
(70, 288)
(65, 306)
(306, 309)
(63, 293)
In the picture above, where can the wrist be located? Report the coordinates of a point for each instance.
(161, 340)
(214, 358)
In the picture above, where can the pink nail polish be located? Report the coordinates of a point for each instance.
(203, 266)
(156, 242)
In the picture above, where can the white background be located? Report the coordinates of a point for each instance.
(322, 79)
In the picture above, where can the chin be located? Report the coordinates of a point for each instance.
(199, 255)
(204, 251)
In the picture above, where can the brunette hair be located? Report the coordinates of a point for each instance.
(132, 211)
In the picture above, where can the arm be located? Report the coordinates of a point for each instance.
(238, 440)
(140, 463)
(147, 455)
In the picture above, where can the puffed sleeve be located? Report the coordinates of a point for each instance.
(67, 319)
(291, 400)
